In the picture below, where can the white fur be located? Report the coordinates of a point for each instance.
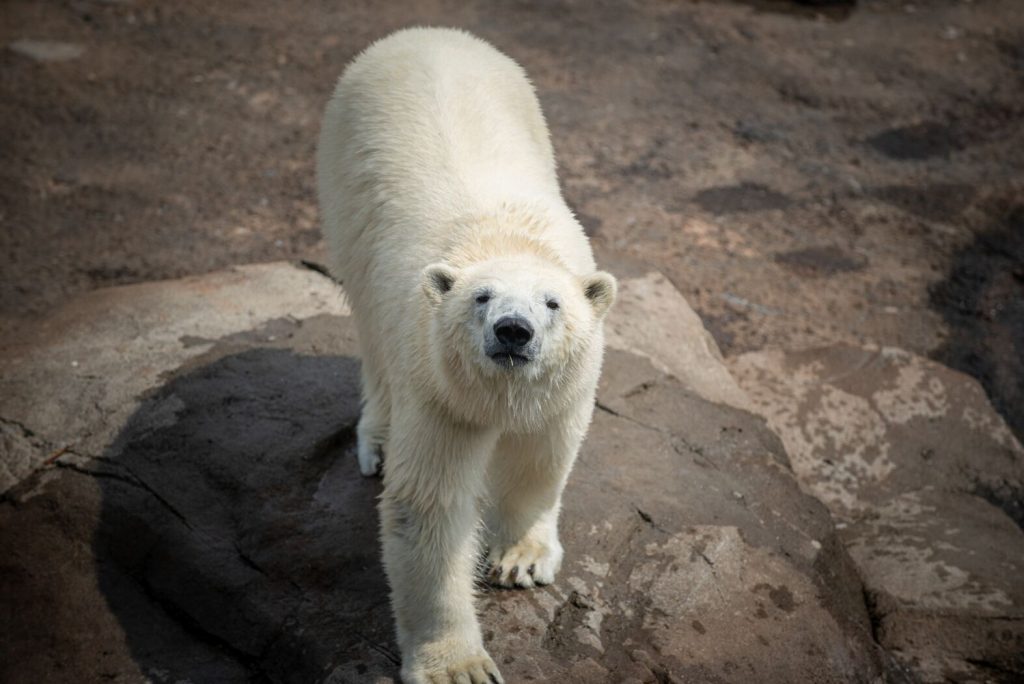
(438, 190)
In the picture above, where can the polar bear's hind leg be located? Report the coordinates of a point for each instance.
(372, 430)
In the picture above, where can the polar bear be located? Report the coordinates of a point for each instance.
(479, 312)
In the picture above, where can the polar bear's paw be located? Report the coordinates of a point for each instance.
(371, 458)
(475, 669)
(528, 563)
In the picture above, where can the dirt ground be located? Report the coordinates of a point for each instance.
(804, 175)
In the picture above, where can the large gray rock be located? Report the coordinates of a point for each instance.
(216, 528)
(69, 381)
(653, 320)
(926, 483)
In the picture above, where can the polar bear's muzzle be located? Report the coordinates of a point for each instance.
(512, 344)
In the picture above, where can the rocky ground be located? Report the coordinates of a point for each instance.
(836, 191)
(182, 503)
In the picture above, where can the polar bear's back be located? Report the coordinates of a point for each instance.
(460, 102)
(426, 126)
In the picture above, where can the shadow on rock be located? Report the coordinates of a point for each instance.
(234, 542)
(982, 301)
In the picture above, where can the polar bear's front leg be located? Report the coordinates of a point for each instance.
(532, 558)
(433, 476)
(525, 482)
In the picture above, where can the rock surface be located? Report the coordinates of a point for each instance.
(651, 319)
(926, 484)
(214, 527)
(70, 380)
(46, 50)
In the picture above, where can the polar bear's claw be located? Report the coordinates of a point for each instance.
(474, 670)
(527, 564)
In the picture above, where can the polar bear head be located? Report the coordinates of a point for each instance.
(520, 316)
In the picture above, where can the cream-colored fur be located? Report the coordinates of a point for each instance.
(444, 217)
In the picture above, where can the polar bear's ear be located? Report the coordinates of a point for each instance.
(600, 288)
(437, 280)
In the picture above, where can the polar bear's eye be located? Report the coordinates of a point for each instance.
(552, 304)
(483, 298)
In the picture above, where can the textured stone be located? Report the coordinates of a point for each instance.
(21, 452)
(70, 380)
(652, 319)
(925, 482)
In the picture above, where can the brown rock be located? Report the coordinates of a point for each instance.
(70, 379)
(925, 482)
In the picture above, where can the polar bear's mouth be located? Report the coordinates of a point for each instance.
(510, 360)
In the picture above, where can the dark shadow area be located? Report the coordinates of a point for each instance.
(236, 539)
(919, 141)
(973, 121)
(834, 10)
(820, 261)
(934, 202)
(982, 302)
(738, 199)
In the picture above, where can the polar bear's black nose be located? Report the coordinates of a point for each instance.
(514, 331)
